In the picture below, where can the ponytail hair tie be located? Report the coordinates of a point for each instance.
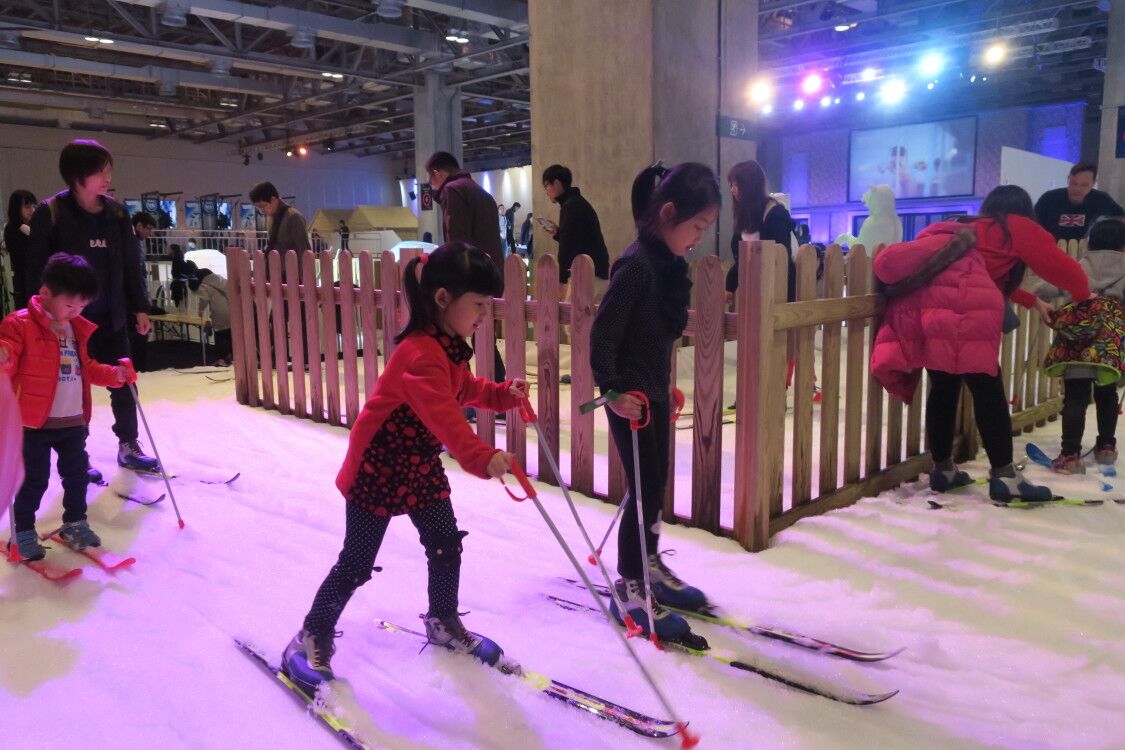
(418, 266)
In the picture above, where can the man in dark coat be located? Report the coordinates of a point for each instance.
(470, 214)
(578, 232)
(1069, 212)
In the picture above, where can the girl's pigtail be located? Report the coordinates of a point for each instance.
(644, 186)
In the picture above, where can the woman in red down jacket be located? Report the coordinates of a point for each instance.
(945, 310)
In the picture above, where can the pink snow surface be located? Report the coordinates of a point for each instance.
(1012, 620)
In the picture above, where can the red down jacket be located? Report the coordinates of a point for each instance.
(953, 323)
(33, 362)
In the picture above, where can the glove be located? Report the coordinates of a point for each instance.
(126, 370)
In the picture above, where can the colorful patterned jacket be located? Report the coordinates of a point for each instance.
(1088, 335)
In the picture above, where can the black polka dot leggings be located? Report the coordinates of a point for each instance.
(438, 533)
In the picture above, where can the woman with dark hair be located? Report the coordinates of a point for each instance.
(643, 313)
(17, 241)
(757, 216)
(946, 293)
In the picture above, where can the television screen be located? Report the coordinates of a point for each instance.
(923, 160)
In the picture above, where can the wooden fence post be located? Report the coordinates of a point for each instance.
(296, 331)
(368, 322)
(312, 335)
(858, 279)
(803, 383)
(581, 377)
(246, 348)
(547, 348)
(707, 398)
(830, 376)
(262, 312)
(348, 336)
(515, 347)
(328, 340)
(391, 281)
(484, 347)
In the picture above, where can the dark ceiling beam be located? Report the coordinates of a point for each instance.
(210, 26)
(129, 19)
(318, 135)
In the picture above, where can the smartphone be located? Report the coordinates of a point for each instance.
(545, 223)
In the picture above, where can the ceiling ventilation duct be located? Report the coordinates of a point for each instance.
(390, 8)
(303, 38)
(174, 14)
(10, 40)
(220, 66)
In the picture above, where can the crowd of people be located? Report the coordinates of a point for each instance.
(947, 294)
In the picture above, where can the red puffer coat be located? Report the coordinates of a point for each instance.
(33, 362)
(952, 323)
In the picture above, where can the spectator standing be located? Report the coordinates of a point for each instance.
(578, 232)
(1069, 212)
(17, 241)
(345, 235)
(83, 220)
(510, 227)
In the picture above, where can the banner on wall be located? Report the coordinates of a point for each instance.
(1121, 132)
(426, 198)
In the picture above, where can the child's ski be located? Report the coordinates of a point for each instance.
(315, 706)
(625, 717)
(46, 569)
(106, 560)
(133, 497)
(215, 479)
(712, 615)
(851, 698)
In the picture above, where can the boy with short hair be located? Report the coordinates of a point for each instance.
(43, 349)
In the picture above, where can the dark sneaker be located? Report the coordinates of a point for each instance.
(1106, 454)
(94, 475)
(130, 455)
(27, 542)
(669, 625)
(1068, 463)
(307, 660)
(1006, 485)
(944, 480)
(669, 590)
(450, 633)
(78, 536)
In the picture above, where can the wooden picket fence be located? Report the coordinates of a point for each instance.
(864, 442)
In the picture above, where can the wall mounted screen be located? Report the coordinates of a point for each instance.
(922, 160)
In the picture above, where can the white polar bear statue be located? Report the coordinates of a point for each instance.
(883, 226)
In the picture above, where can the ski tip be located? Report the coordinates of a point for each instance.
(870, 700)
(687, 739)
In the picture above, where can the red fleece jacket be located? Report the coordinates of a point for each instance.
(33, 362)
(421, 375)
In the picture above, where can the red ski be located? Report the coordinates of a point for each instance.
(42, 567)
(106, 560)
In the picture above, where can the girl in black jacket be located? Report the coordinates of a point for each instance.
(17, 241)
(644, 311)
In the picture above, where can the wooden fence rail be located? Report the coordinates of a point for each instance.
(313, 349)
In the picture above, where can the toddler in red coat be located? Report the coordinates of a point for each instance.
(43, 350)
(393, 467)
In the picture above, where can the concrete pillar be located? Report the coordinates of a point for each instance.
(1111, 170)
(437, 127)
(616, 86)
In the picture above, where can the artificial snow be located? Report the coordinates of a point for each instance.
(1012, 620)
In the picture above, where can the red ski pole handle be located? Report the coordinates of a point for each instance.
(637, 425)
(678, 402)
(527, 412)
(521, 477)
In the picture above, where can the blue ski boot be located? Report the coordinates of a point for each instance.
(946, 476)
(669, 590)
(130, 456)
(1006, 484)
(450, 633)
(307, 660)
(28, 544)
(670, 626)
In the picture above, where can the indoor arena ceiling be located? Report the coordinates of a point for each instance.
(339, 75)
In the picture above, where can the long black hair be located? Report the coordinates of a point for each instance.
(457, 267)
(690, 187)
(16, 201)
(1000, 203)
(750, 205)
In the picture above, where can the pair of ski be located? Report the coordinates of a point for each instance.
(148, 500)
(714, 617)
(588, 702)
(110, 562)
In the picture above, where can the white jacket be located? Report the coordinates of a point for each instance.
(212, 293)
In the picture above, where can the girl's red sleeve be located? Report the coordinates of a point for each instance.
(1038, 249)
(486, 394)
(426, 386)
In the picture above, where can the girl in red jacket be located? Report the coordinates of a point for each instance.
(946, 292)
(43, 349)
(392, 466)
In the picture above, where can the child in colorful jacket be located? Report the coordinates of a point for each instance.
(1087, 351)
(43, 350)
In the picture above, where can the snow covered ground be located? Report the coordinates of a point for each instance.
(1012, 620)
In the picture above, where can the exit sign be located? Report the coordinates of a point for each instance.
(733, 127)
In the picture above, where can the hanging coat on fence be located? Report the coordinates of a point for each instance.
(943, 311)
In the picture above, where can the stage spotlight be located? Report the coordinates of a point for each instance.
(859, 97)
(996, 53)
(799, 105)
(869, 74)
(761, 92)
(302, 151)
(826, 101)
(812, 83)
(767, 109)
(288, 152)
(892, 92)
(930, 85)
(931, 64)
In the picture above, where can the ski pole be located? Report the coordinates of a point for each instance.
(126, 362)
(634, 427)
(527, 413)
(687, 740)
(678, 407)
